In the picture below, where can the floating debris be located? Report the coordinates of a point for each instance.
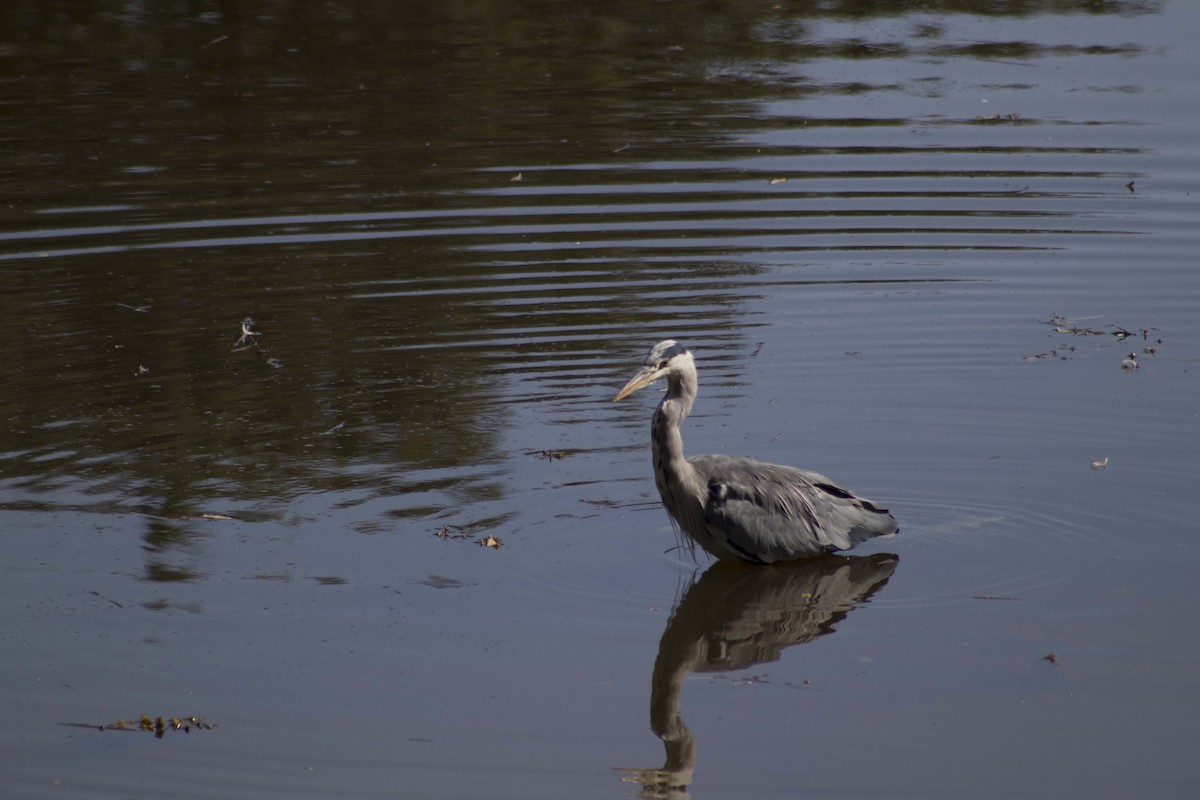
(475, 532)
(775, 181)
(158, 725)
(1100, 463)
(743, 680)
(459, 532)
(1062, 325)
(601, 503)
(138, 309)
(452, 532)
(1051, 658)
(245, 340)
(548, 454)
(142, 370)
(1051, 354)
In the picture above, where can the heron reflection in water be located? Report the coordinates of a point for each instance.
(734, 618)
(741, 509)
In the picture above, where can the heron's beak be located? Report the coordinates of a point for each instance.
(647, 376)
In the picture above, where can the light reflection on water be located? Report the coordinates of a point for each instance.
(863, 255)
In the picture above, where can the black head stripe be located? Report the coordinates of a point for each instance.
(665, 351)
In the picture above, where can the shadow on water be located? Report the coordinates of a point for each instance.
(735, 617)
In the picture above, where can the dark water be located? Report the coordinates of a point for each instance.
(905, 245)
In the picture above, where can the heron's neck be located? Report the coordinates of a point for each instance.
(665, 438)
(681, 390)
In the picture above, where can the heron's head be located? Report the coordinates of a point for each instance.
(664, 358)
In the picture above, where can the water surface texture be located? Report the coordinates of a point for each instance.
(311, 316)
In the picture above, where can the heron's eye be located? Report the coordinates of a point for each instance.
(663, 364)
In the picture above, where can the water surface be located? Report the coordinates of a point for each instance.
(910, 249)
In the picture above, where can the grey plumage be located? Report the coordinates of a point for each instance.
(741, 508)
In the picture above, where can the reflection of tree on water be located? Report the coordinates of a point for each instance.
(734, 618)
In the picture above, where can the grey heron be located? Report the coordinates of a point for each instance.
(740, 508)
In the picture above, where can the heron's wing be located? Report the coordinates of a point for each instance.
(767, 512)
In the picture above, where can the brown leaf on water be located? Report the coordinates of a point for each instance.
(490, 541)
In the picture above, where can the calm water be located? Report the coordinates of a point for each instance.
(904, 246)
